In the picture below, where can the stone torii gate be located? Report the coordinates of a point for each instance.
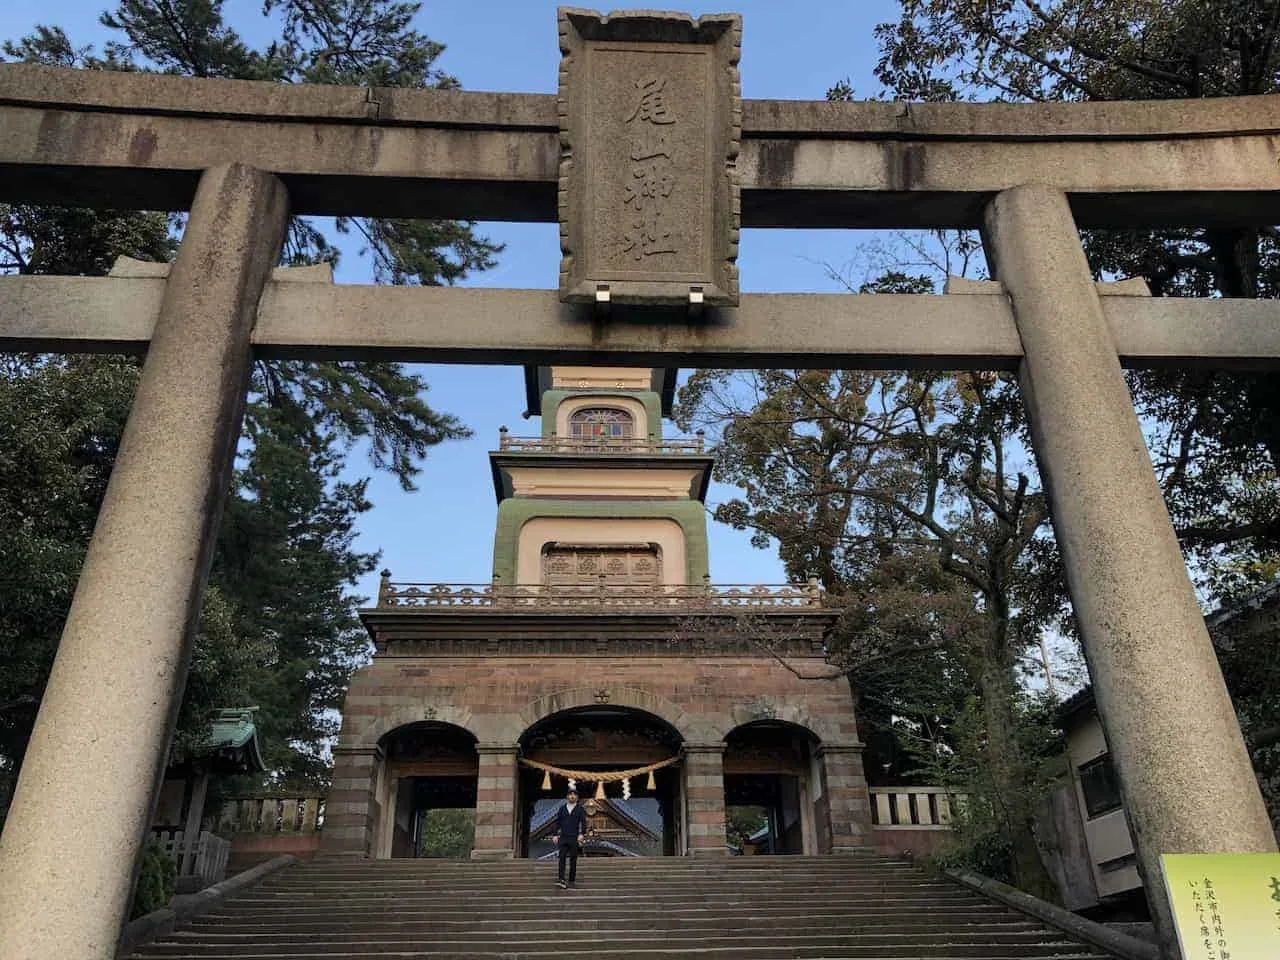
(650, 162)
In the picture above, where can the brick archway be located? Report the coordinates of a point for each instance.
(461, 717)
(781, 711)
(691, 729)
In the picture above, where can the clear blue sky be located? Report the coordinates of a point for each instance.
(791, 50)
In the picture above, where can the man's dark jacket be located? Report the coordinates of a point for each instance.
(571, 824)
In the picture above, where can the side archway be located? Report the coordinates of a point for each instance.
(482, 729)
(782, 711)
(771, 784)
(427, 790)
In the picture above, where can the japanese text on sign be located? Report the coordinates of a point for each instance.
(1226, 906)
(647, 221)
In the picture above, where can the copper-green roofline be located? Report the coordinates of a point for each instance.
(537, 382)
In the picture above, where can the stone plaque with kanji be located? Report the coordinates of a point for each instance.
(650, 121)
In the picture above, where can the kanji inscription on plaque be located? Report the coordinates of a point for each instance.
(650, 119)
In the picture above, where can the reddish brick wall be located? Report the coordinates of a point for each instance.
(919, 843)
(498, 698)
(250, 849)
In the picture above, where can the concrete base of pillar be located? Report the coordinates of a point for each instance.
(709, 854)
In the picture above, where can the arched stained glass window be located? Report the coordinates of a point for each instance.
(601, 423)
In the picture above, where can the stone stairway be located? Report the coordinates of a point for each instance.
(749, 908)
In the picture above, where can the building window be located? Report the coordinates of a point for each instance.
(1100, 787)
(601, 423)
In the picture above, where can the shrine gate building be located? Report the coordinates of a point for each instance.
(600, 647)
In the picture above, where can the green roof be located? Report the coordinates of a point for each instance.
(233, 731)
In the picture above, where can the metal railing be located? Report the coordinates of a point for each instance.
(600, 445)
(915, 808)
(661, 596)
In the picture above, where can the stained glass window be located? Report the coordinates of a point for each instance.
(601, 423)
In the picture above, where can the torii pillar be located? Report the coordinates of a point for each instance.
(122, 663)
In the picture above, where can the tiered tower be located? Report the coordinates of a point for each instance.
(602, 651)
(600, 499)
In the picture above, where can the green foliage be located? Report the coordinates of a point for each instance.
(1004, 780)
(1215, 436)
(156, 878)
(905, 495)
(740, 823)
(447, 832)
(985, 850)
(911, 498)
(60, 422)
(277, 628)
(350, 42)
(77, 242)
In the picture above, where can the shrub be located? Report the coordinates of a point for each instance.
(155, 881)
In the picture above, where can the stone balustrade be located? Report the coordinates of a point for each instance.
(914, 808)
(263, 826)
(496, 595)
(272, 814)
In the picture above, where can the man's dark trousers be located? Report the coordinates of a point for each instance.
(569, 850)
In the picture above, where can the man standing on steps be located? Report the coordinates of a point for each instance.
(571, 830)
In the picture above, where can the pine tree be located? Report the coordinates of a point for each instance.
(278, 628)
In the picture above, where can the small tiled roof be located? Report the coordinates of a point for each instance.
(1256, 601)
(233, 736)
(1078, 701)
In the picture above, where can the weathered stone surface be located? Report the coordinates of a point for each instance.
(122, 661)
(496, 156)
(1186, 777)
(703, 698)
(650, 124)
(970, 332)
(28, 84)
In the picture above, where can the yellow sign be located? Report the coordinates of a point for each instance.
(1226, 905)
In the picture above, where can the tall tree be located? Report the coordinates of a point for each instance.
(278, 626)
(1215, 436)
(902, 494)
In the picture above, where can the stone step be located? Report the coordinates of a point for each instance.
(570, 935)
(839, 923)
(1048, 951)
(593, 887)
(868, 945)
(556, 906)
(620, 865)
(616, 883)
(783, 909)
(560, 900)
(691, 865)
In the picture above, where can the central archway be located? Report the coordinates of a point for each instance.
(642, 820)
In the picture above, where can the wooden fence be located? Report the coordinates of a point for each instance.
(211, 852)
